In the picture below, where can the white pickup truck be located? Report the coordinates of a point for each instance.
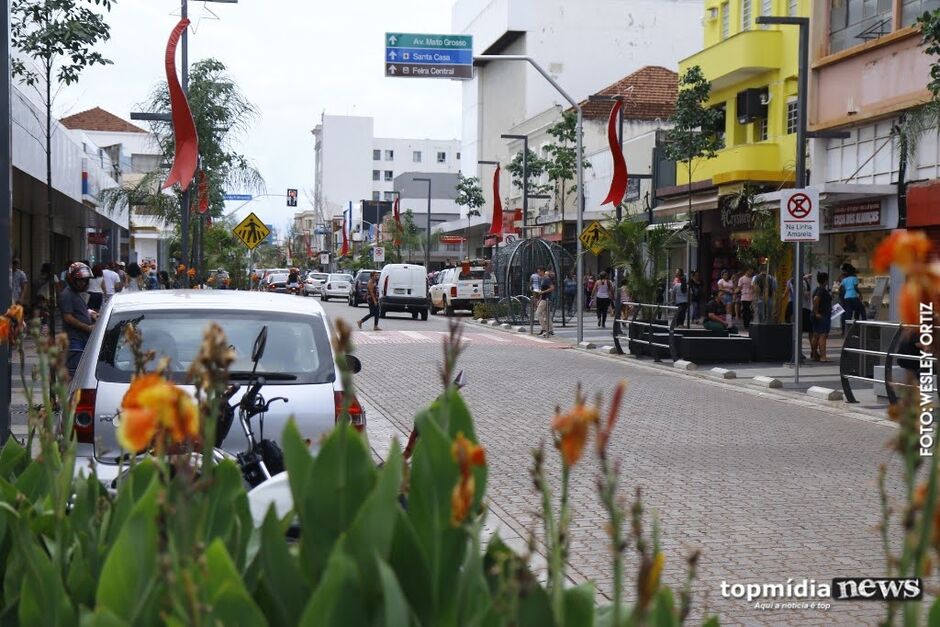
(457, 289)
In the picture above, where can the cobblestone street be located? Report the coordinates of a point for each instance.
(769, 490)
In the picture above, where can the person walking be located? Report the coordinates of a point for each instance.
(588, 290)
(544, 309)
(822, 318)
(695, 296)
(570, 292)
(736, 301)
(726, 289)
(601, 294)
(765, 288)
(372, 299)
(95, 288)
(680, 296)
(133, 277)
(165, 283)
(111, 282)
(746, 289)
(19, 284)
(625, 297)
(535, 280)
(851, 298)
(76, 317)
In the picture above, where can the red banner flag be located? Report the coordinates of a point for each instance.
(496, 223)
(618, 184)
(396, 212)
(203, 192)
(184, 128)
(345, 249)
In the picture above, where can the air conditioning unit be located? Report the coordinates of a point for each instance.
(752, 105)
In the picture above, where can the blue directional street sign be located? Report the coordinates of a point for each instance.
(428, 56)
(237, 197)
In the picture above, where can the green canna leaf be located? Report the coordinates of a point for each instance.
(228, 599)
(283, 579)
(395, 611)
(336, 601)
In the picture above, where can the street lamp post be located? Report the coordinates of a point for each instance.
(6, 210)
(802, 94)
(578, 164)
(525, 178)
(427, 252)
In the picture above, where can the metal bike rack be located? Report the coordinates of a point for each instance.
(649, 328)
(849, 370)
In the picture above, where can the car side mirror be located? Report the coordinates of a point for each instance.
(354, 364)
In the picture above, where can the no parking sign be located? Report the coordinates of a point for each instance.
(378, 254)
(799, 215)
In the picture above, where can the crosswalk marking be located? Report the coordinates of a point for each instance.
(417, 336)
(533, 339)
(490, 336)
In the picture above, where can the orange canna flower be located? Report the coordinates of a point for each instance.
(912, 295)
(153, 405)
(466, 454)
(651, 585)
(5, 328)
(192, 272)
(573, 429)
(136, 429)
(904, 248)
(16, 313)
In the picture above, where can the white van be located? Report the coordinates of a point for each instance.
(404, 287)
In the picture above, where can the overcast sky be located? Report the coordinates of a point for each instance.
(294, 59)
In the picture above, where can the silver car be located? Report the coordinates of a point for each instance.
(297, 364)
(336, 286)
(314, 282)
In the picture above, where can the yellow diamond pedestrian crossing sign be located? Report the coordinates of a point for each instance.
(593, 237)
(251, 231)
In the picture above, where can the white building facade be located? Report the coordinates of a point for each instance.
(353, 165)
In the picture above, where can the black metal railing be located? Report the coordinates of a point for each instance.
(642, 331)
(862, 351)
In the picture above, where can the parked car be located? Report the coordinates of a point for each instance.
(336, 286)
(276, 282)
(297, 364)
(314, 282)
(456, 289)
(357, 292)
(404, 287)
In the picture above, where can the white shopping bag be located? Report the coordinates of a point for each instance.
(837, 311)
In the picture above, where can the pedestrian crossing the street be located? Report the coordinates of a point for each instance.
(389, 337)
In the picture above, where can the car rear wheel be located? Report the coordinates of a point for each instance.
(414, 315)
(424, 315)
(448, 310)
(434, 310)
(324, 298)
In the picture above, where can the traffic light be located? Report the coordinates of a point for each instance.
(292, 198)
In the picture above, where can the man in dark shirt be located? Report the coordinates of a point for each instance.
(544, 311)
(716, 316)
(78, 319)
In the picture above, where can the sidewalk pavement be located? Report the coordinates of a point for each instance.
(819, 374)
(18, 404)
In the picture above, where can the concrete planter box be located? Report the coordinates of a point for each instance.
(771, 342)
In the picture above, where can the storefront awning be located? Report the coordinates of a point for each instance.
(703, 201)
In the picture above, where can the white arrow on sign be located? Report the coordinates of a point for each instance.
(392, 69)
(392, 55)
(393, 40)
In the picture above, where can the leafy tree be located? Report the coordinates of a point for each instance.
(917, 122)
(637, 248)
(222, 115)
(765, 250)
(469, 195)
(536, 167)
(694, 125)
(561, 166)
(60, 37)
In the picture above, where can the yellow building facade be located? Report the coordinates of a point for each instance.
(753, 74)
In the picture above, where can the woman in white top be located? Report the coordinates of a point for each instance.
(602, 293)
(133, 278)
(726, 288)
(96, 288)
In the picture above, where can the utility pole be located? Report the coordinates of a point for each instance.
(6, 209)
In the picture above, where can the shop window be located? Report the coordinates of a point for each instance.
(721, 123)
(746, 15)
(389, 175)
(793, 116)
(376, 155)
(766, 8)
(388, 195)
(725, 20)
(761, 130)
(389, 155)
(793, 8)
(854, 22)
(376, 175)
(442, 157)
(913, 9)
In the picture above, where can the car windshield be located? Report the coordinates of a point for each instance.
(341, 277)
(278, 278)
(319, 277)
(297, 345)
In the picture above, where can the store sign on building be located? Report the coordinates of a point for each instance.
(735, 216)
(856, 214)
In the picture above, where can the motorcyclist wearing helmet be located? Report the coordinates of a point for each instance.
(293, 281)
(78, 319)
